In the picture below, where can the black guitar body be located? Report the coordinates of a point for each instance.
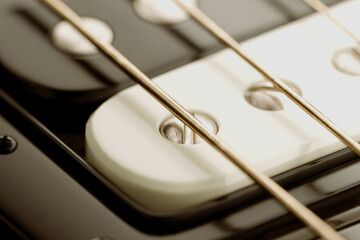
(49, 191)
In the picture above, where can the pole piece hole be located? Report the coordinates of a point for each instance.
(263, 95)
(176, 131)
(347, 61)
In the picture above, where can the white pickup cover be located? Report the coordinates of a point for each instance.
(124, 143)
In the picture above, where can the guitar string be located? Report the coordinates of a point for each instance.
(321, 8)
(229, 41)
(303, 213)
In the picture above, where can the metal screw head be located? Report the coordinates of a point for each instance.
(8, 144)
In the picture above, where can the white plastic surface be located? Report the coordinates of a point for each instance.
(123, 141)
(68, 39)
(161, 11)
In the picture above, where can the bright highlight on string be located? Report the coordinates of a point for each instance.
(320, 7)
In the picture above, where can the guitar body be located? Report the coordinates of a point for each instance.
(96, 145)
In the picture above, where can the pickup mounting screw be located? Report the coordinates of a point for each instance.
(8, 144)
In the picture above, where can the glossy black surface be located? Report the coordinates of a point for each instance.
(49, 192)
